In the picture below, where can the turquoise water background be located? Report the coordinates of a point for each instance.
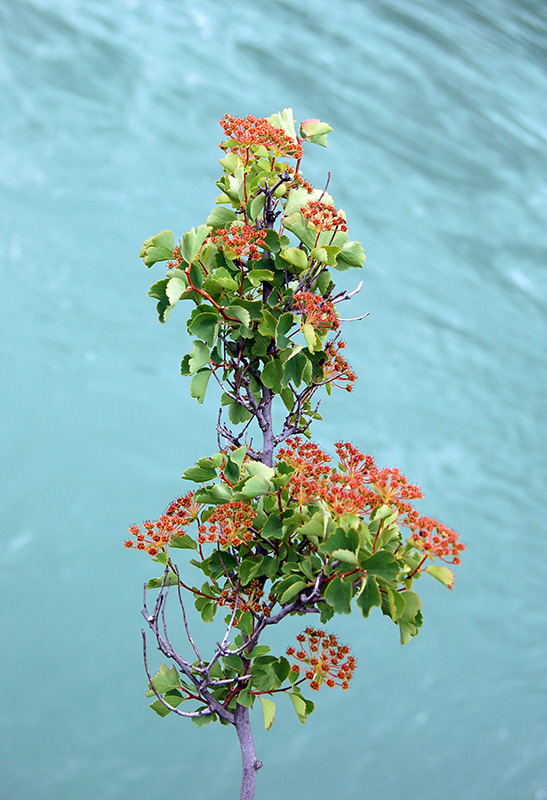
(109, 133)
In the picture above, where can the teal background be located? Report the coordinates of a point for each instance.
(108, 133)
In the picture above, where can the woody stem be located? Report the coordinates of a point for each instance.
(248, 754)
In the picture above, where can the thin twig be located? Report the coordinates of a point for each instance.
(206, 711)
(194, 648)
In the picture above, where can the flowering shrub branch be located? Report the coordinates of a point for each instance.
(273, 531)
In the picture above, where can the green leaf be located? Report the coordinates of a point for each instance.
(273, 529)
(208, 611)
(232, 471)
(293, 370)
(183, 542)
(320, 254)
(216, 494)
(442, 574)
(351, 255)
(289, 588)
(199, 356)
(158, 248)
(157, 290)
(156, 583)
(175, 289)
(268, 711)
(192, 241)
(284, 120)
(296, 223)
(238, 413)
(411, 619)
(199, 722)
(234, 662)
(258, 276)
(272, 375)
(314, 131)
(230, 162)
(240, 313)
(204, 325)
(338, 595)
(258, 468)
(281, 668)
(296, 257)
(250, 568)
(274, 241)
(341, 540)
(369, 596)
(389, 607)
(255, 206)
(260, 650)
(220, 564)
(220, 282)
(314, 529)
(163, 306)
(165, 679)
(199, 474)
(173, 698)
(301, 197)
(393, 605)
(413, 605)
(299, 706)
(345, 556)
(268, 324)
(284, 324)
(198, 385)
(382, 564)
(245, 699)
(256, 486)
(311, 337)
(270, 567)
(221, 217)
(287, 395)
(238, 456)
(246, 623)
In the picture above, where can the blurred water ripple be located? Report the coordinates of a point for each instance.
(109, 133)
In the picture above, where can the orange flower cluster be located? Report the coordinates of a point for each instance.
(300, 180)
(359, 488)
(325, 659)
(310, 469)
(241, 240)
(336, 370)
(157, 535)
(244, 133)
(436, 539)
(229, 524)
(323, 217)
(252, 600)
(314, 480)
(318, 312)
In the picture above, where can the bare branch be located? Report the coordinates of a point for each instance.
(323, 193)
(354, 319)
(229, 680)
(194, 648)
(341, 296)
(221, 646)
(204, 713)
